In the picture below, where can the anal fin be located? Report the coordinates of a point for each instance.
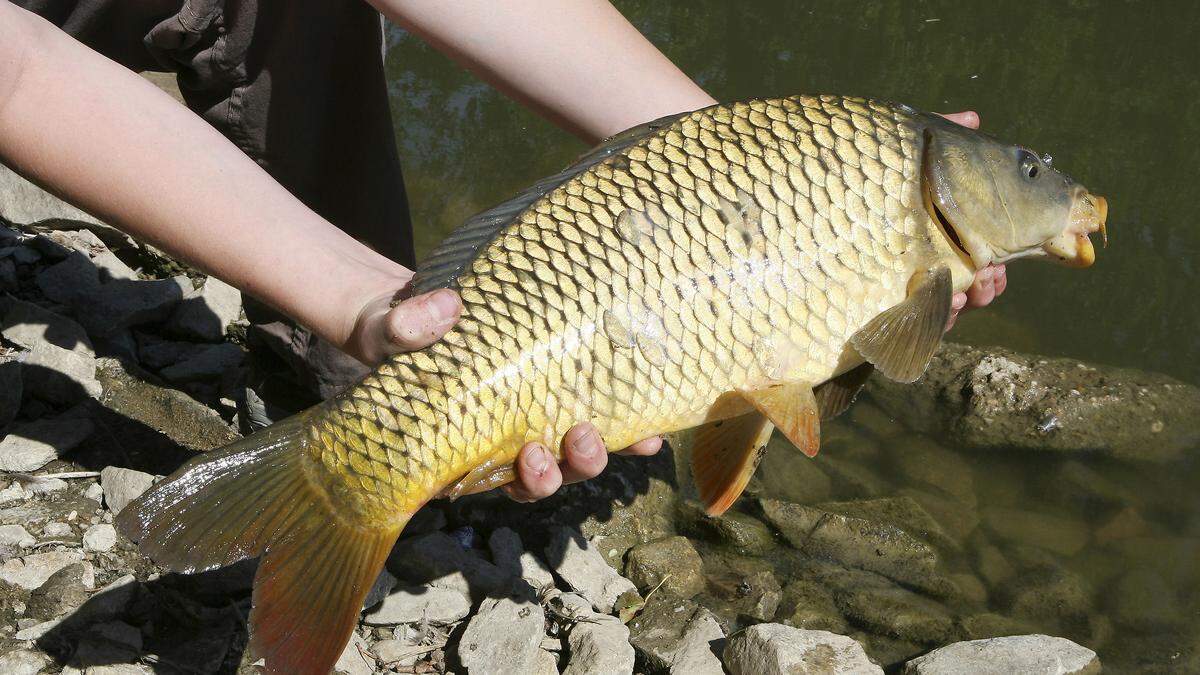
(902, 340)
(793, 409)
(836, 395)
(725, 454)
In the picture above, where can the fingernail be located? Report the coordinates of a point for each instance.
(443, 304)
(588, 445)
(958, 301)
(1001, 270)
(538, 460)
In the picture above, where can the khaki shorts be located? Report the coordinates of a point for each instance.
(299, 86)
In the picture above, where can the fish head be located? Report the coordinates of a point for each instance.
(997, 202)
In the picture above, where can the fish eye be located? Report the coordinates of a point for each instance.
(1031, 166)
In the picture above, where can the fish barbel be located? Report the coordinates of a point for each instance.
(739, 268)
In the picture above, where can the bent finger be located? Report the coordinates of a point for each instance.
(983, 290)
(584, 453)
(420, 321)
(644, 447)
(537, 476)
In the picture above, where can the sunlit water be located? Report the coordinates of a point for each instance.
(1108, 88)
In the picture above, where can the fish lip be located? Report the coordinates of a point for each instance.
(1073, 246)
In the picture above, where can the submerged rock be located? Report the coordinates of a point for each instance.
(810, 606)
(742, 532)
(775, 649)
(1059, 534)
(1026, 654)
(995, 399)
(671, 564)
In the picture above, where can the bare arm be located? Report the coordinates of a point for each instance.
(577, 62)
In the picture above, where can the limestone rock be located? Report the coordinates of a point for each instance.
(504, 636)
(100, 537)
(437, 560)
(577, 562)
(671, 564)
(678, 636)
(208, 363)
(15, 536)
(32, 571)
(599, 647)
(34, 445)
(23, 661)
(11, 391)
(509, 554)
(742, 532)
(354, 659)
(206, 312)
(1027, 654)
(437, 606)
(122, 486)
(809, 605)
(775, 649)
(62, 592)
(70, 282)
(29, 325)
(59, 375)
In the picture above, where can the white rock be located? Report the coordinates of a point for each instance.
(397, 653)
(119, 669)
(29, 325)
(577, 562)
(94, 492)
(122, 486)
(23, 662)
(15, 535)
(59, 375)
(504, 636)
(1026, 654)
(545, 663)
(206, 312)
(56, 529)
(509, 554)
(34, 445)
(438, 606)
(100, 537)
(599, 647)
(776, 649)
(38, 630)
(37, 485)
(353, 660)
(12, 493)
(32, 571)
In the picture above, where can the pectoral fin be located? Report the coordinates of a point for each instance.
(901, 341)
(724, 456)
(836, 395)
(793, 409)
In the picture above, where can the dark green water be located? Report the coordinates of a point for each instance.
(1109, 88)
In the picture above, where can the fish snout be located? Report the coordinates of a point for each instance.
(1073, 247)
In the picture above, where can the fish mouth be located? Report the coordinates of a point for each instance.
(1073, 247)
(946, 225)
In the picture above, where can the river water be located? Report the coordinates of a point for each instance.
(1108, 88)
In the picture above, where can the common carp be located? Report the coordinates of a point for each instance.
(739, 268)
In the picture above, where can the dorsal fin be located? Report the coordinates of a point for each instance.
(442, 267)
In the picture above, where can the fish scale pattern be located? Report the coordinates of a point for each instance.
(737, 245)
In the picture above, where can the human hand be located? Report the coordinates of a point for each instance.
(990, 281)
(584, 457)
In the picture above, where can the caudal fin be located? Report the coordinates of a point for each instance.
(254, 498)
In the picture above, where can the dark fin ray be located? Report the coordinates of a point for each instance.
(792, 408)
(443, 265)
(902, 340)
(836, 395)
(724, 456)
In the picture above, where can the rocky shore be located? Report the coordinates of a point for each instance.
(1026, 515)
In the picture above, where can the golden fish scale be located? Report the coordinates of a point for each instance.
(738, 244)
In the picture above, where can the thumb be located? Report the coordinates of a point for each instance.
(420, 321)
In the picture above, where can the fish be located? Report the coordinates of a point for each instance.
(736, 269)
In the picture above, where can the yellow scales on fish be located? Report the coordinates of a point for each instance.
(740, 268)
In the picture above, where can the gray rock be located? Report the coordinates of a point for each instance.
(998, 399)
(810, 605)
(1026, 654)
(678, 636)
(56, 530)
(1048, 593)
(208, 363)
(25, 203)
(32, 571)
(59, 375)
(742, 532)
(437, 560)
(122, 486)
(437, 606)
(23, 661)
(8, 275)
(775, 649)
(100, 537)
(34, 445)
(15, 536)
(94, 492)
(62, 592)
(206, 312)
(1059, 534)
(41, 485)
(397, 654)
(671, 564)
(11, 391)
(599, 647)
(354, 659)
(873, 602)
(70, 282)
(30, 325)
(545, 663)
(384, 583)
(504, 636)
(509, 554)
(155, 353)
(921, 461)
(124, 303)
(577, 562)
(903, 512)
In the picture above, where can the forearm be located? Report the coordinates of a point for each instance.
(106, 140)
(577, 62)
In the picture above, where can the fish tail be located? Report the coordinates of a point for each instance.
(255, 498)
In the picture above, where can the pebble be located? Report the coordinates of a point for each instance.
(599, 646)
(56, 529)
(437, 606)
(775, 649)
(100, 537)
(62, 592)
(23, 662)
(94, 492)
(32, 571)
(122, 486)
(34, 445)
(206, 312)
(504, 636)
(1026, 654)
(577, 562)
(38, 485)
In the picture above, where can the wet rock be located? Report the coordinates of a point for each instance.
(61, 592)
(206, 312)
(100, 537)
(785, 474)
(15, 536)
(957, 519)
(1076, 485)
(23, 661)
(509, 554)
(855, 542)
(1059, 534)
(678, 636)
(577, 562)
(32, 571)
(1143, 600)
(1125, 524)
(206, 364)
(809, 605)
(775, 649)
(354, 659)
(437, 606)
(998, 399)
(903, 512)
(877, 604)
(970, 587)
(742, 532)
(853, 479)
(11, 391)
(122, 486)
(1032, 654)
(124, 303)
(437, 559)
(34, 445)
(989, 625)
(599, 647)
(671, 564)
(758, 596)
(1048, 593)
(992, 565)
(919, 460)
(504, 636)
(173, 413)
